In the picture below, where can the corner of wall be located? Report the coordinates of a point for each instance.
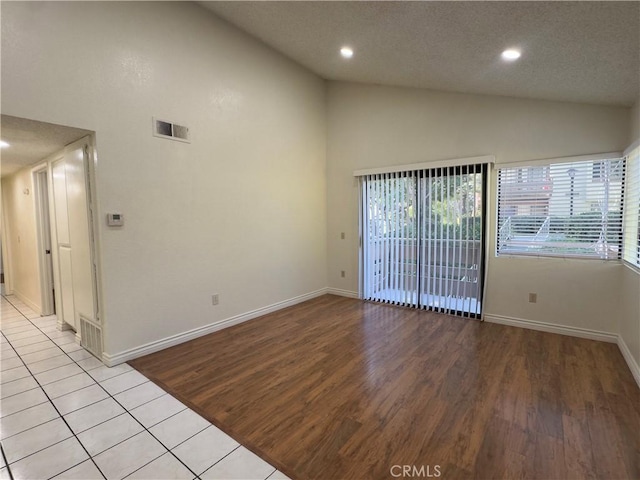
(634, 122)
(629, 358)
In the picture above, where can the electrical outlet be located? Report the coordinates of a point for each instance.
(533, 298)
(214, 299)
(342, 274)
(342, 235)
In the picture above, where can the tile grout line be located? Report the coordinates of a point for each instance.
(6, 464)
(126, 410)
(147, 430)
(46, 395)
(43, 448)
(209, 468)
(152, 435)
(62, 378)
(197, 476)
(271, 474)
(9, 369)
(52, 404)
(78, 390)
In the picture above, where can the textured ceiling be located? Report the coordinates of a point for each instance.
(31, 141)
(571, 51)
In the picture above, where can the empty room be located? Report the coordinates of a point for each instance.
(320, 240)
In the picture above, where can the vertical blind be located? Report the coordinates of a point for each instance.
(568, 209)
(631, 221)
(423, 238)
(389, 239)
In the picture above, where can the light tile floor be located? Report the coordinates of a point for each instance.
(63, 414)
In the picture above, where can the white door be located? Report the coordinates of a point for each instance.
(74, 241)
(76, 159)
(66, 311)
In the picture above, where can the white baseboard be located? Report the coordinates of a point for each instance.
(29, 303)
(125, 356)
(553, 328)
(573, 332)
(342, 293)
(631, 362)
(62, 325)
(112, 360)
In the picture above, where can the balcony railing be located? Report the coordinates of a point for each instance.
(449, 267)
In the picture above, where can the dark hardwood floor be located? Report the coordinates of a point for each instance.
(336, 388)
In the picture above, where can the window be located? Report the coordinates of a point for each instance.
(632, 209)
(602, 173)
(565, 209)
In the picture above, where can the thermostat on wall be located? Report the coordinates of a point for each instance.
(115, 219)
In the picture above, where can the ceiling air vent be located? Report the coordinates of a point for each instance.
(172, 131)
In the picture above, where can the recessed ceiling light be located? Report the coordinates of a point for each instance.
(346, 52)
(511, 55)
(3, 144)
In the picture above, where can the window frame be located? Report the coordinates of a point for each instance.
(632, 158)
(547, 165)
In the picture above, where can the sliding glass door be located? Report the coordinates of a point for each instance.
(390, 247)
(423, 238)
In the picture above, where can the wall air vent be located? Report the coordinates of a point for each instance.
(91, 336)
(172, 131)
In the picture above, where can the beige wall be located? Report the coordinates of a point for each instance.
(630, 311)
(630, 291)
(18, 209)
(634, 125)
(373, 126)
(241, 211)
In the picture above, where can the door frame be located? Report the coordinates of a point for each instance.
(5, 252)
(41, 187)
(91, 163)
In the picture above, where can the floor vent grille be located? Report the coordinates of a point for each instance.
(91, 337)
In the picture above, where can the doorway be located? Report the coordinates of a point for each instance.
(48, 218)
(43, 226)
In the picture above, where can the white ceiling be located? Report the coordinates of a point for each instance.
(571, 51)
(31, 141)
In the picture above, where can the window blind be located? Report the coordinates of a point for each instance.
(631, 222)
(423, 238)
(389, 243)
(567, 209)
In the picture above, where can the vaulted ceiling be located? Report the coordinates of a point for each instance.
(571, 51)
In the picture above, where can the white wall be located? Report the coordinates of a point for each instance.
(634, 124)
(241, 211)
(630, 312)
(630, 291)
(19, 215)
(373, 126)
